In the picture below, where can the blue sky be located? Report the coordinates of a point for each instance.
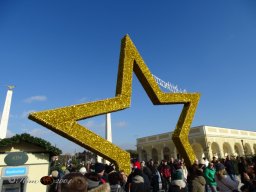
(60, 53)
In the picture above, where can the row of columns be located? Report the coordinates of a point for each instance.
(207, 151)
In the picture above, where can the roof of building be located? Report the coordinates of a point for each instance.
(17, 139)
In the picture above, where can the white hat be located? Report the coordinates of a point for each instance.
(82, 170)
(55, 173)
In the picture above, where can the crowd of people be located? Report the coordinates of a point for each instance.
(218, 175)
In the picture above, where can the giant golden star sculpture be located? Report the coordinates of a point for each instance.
(64, 120)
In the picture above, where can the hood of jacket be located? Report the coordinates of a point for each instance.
(179, 183)
(137, 179)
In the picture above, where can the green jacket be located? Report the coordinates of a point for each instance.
(209, 175)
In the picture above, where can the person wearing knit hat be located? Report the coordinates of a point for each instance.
(219, 167)
(55, 174)
(82, 170)
(224, 181)
(136, 165)
(177, 184)
(99, 167)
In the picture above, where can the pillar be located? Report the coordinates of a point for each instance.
(6, 112)
(108, 135)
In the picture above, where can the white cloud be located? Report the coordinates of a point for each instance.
(35, 98)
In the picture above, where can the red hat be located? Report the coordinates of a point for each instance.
(136, 164)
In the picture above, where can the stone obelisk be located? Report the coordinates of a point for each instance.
(6, 112)
(108, 135)
(108, 132)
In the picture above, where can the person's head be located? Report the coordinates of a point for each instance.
(177, 175)
(136, 165)
(82, 170)
(250, 170)
(137, 172)
(123, 175)
(99, 168)
(114, 178)
(177, 165)
(55, 174)
(93, 180)
(74, 182)
(164, 162)
(196, 162)
(211, 165)
(220, 170)
(155, 165)
(142, 163)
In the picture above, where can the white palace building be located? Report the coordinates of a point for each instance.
(207, 141)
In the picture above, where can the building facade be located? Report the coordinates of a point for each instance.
(207, 141)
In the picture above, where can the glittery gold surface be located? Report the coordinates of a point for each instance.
(64, 120)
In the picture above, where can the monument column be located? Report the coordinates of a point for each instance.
(108, 135)
(6, 112)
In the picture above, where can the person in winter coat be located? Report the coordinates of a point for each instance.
(138, 183)
(184, 170)
(76, 182)
(177, 184)
(230, 167)
(115, 179)
(165, 174)
(55, 175)
(249, 179)
(146, 170)
(224, 181)
(156, 181)
(198, 184)
(209, 174)
(93, 180)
